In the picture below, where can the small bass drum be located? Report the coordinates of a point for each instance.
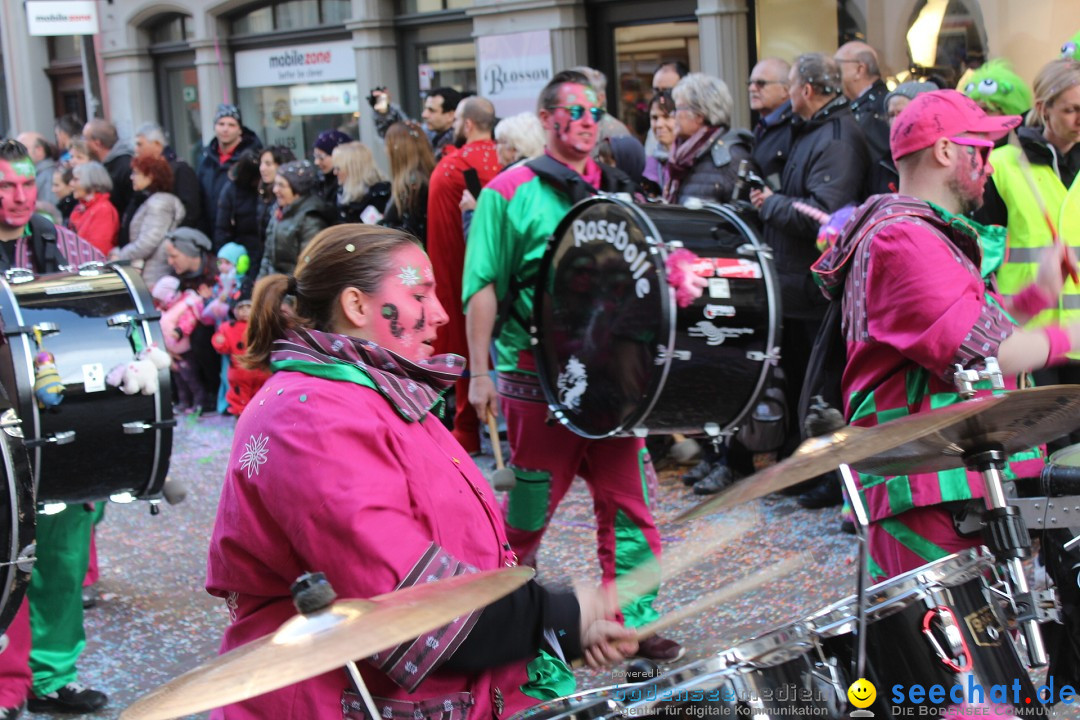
(617, 356)
(98, 442)
(16, 517)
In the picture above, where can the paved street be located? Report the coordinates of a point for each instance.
(154, 620)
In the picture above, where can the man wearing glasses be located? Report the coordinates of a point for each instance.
(515, 214)
(866, 92)
(769, 98)
(915, 304)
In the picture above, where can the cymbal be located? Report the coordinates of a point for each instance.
(847, 445)
(1024, 419)
(306, 646)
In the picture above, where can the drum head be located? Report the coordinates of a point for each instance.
(604, 318)
(1068, 456)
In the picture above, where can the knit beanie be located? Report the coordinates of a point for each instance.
(189, 241)
(232, 252)
(300, 174)
(330, 139)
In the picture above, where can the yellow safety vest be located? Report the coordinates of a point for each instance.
(1028, 235)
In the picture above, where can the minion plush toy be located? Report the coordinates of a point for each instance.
(47, 386)
(998, 90)
(1071, 48)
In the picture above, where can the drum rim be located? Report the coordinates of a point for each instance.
(667, 308)
(28, 356)
(23, 516)
(895, 594)
(1069, 452)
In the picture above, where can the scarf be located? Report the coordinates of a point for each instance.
(413, 389)
(684, 155)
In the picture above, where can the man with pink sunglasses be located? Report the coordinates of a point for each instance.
(908, 269)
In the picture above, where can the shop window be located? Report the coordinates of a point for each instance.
(411, 7)
(172, 29)
(336, 11)
(291, 15)
(65, 48)
(447, 65)
(296, 14)
(639, 49)
(256, 21)
(945, 37)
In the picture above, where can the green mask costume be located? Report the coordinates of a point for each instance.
(1071, 48)
(998, 89)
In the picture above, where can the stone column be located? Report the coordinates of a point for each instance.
(375, 42)
(725, 51)
(29, 92)
(214, 79)
(132, 97)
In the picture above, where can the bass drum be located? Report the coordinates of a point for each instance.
(16, 517)
(617, 356)
(98, 442)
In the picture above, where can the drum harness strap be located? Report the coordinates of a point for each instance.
(567, 181)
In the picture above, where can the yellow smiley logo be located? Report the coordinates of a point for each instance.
(862, 693)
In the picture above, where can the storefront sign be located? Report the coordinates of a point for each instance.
(73, 17)
(513, 69)
(325, 62)
(328, 99)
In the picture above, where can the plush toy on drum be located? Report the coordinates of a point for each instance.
(47, 386)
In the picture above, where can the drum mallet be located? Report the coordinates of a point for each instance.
(684, 449)
(503, 479)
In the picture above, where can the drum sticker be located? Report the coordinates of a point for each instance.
(572, 382)
(716, 335)
(737, 268)
(93, 377)
(72, 288)
(719, 288)
(984, 627)
(616, 235)
(715, 311)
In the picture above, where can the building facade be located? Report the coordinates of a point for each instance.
(296, 67)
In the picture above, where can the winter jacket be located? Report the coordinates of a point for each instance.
(186, 188)
(772, 143)
(237, 218)
(229, 340)
(716, 169)
(179, 321)
(118, 163)
(871, 115)
(412, 220)
(97, 222)
(213, 176)
(826, 169)
(155, 218)
(43, 179)
(377, 196)
(287, 236)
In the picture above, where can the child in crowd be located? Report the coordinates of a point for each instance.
(180, 313)
(232, 263)
(230, 340)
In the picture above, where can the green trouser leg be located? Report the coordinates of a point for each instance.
(56, 611)
(637, 549)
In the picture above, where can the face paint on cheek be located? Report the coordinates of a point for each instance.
(420, 322)
(390, 312)
(24, 167)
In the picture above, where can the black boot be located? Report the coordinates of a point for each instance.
(826, 494)
(698, 472)
(715, 481)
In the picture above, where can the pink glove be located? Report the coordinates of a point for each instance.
(688, 285)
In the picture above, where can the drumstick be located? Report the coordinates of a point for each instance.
(503, 478)
(743, 586)
(1025, 170)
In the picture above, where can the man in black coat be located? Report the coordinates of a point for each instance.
(150, 142)
(826, 170)
(866, 91)
(231, 138)
(105, 146)
(767, 88)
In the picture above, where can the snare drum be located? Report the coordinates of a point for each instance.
(617, 356)
(99, 442)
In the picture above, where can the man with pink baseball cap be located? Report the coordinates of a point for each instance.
(907, 268)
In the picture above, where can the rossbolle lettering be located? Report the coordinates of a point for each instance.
(616, 235)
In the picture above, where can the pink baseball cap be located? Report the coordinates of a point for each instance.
(942, 114)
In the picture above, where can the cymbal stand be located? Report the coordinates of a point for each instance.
(862, 522)
(311, 593)
(1004, 530)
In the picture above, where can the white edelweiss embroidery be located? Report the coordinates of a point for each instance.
(410, 668)
(409, 276)
(255, 450)
(432, 643)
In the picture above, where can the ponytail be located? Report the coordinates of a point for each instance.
(269, 320)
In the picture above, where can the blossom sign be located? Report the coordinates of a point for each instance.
(513, 69)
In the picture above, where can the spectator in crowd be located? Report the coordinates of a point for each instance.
(298, 216)
(94, 218)
(231, 341)
(105, 146)
(440, 105)
(826, 170)
(363, 191)
(610, 126)
(44, 156)
(238, 209)
(997, 89)
(1050, 141)
(704, 162)
(666, 76)
(154, 212)
(865, 91)
(768, 90)
(46, 637)
(78, 151)
(516, 213)
(231, 139)
(662, 131)
(65, 195)
(883, 176)
(150, 142)
(473, 126)
(67, 128)
(519, 137)
(322, 155)
(189, 254)
(626, 153)
(411, 165)
(270, 159)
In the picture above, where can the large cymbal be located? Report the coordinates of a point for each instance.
(847, 445)
(307, 646)
(1025, 419)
